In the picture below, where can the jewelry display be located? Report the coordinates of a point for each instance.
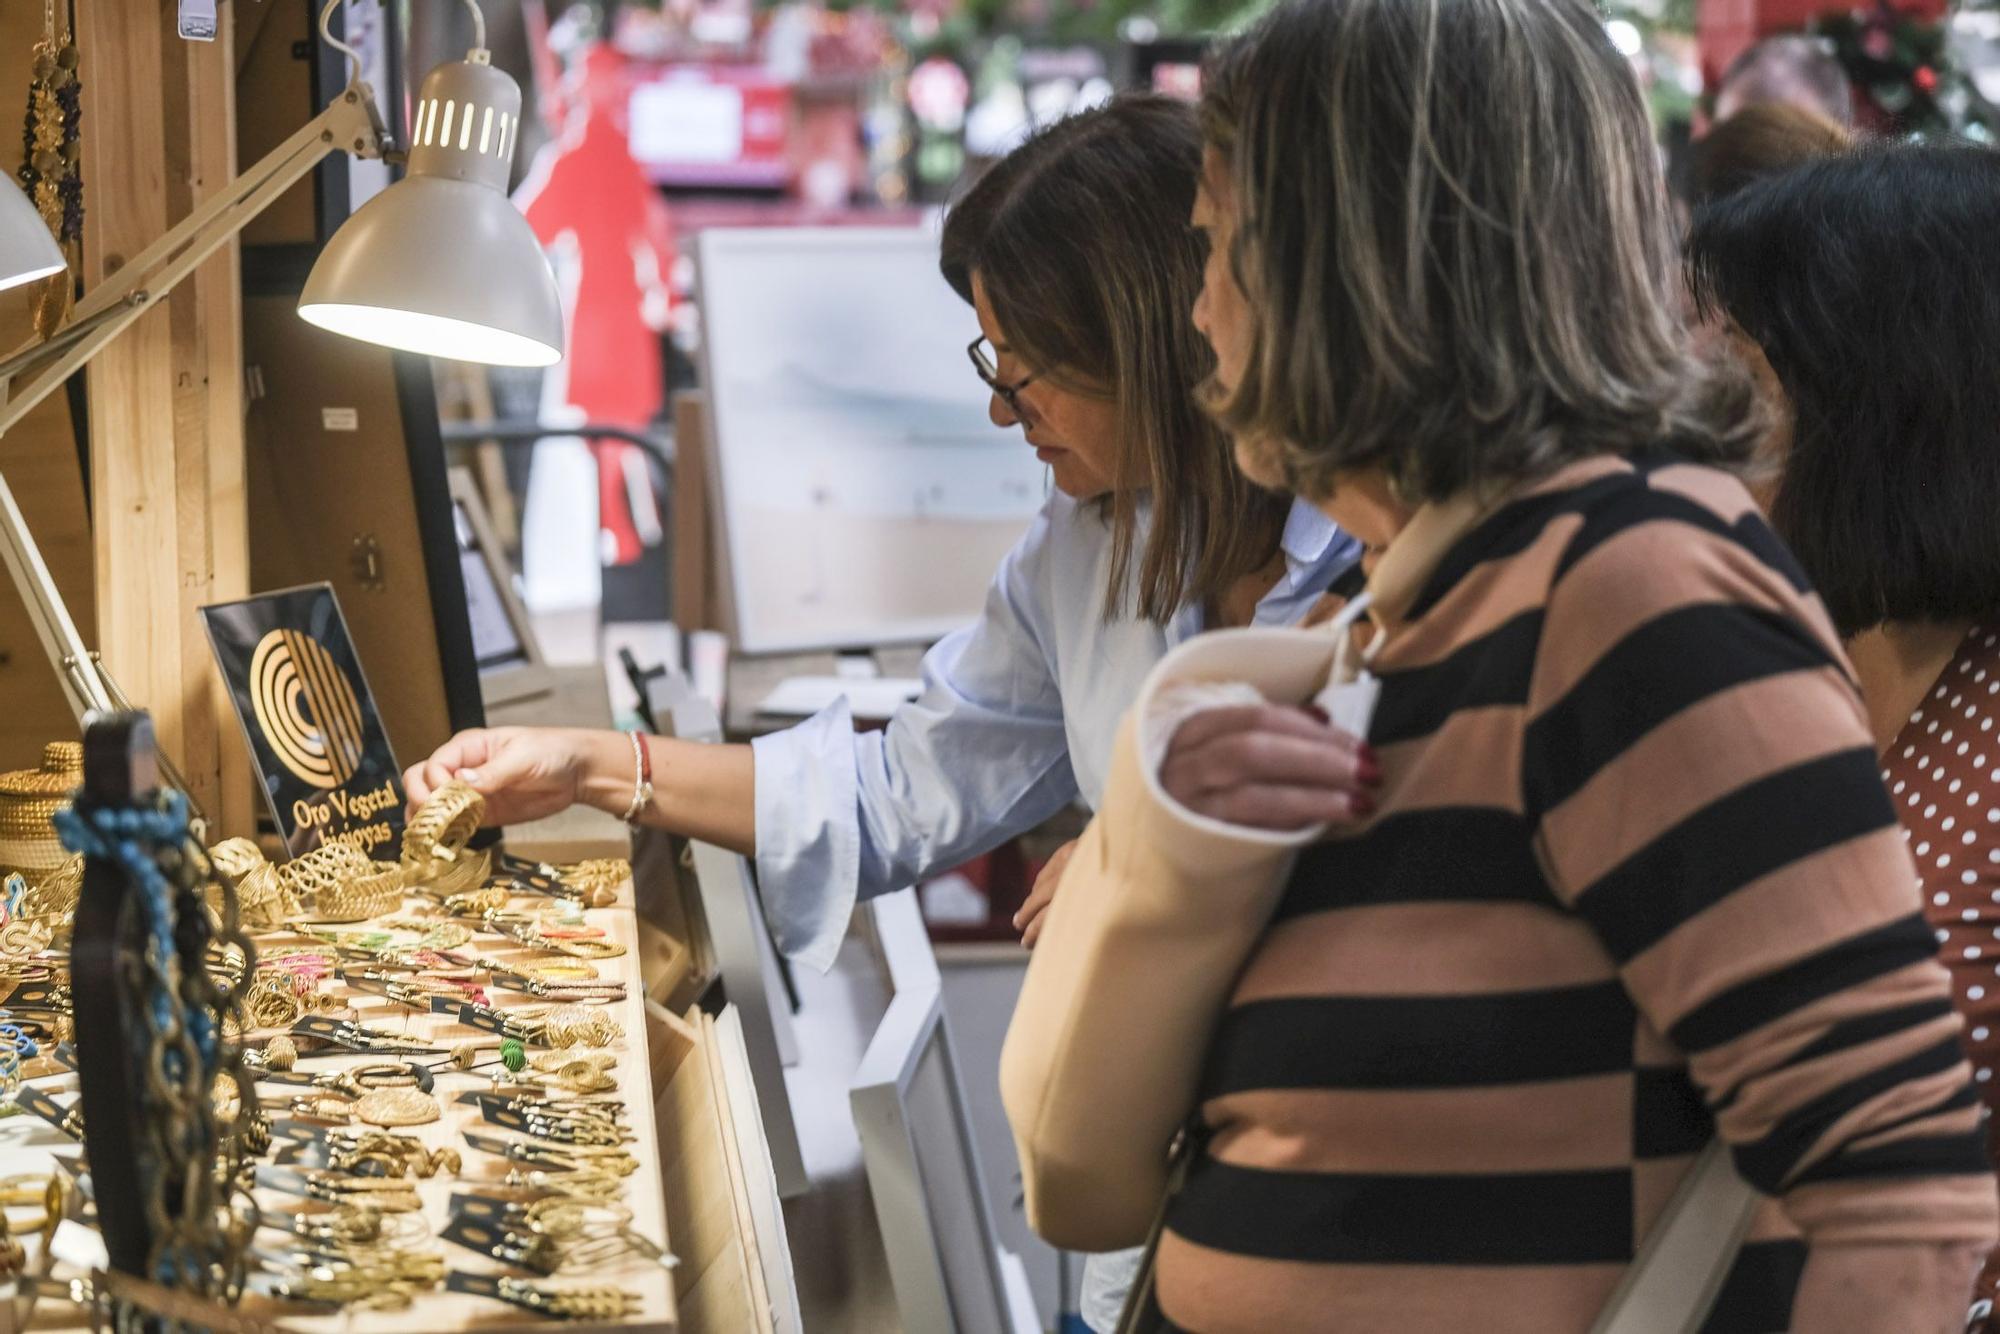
(397, 1107)
(351, 1223)
(477, 903)
(431, 934)
(364, 1281)
(354, 1081)
(381, 1154)
(588, 944)
(320, 1031)
(578, 1071)
(558, 1026)
(26, 936)
(561, 970)
(386, 1195)
(264, 897)
(337, 1107)
(568, 1158)
(280, 1053)
(565, 991)
(437, 836)
(465, 876)
(340, 884)
(594, 883)
(543, 1123)
(415, 990)
(551, 1234)
(351, 1125)
(579, 1026)
(52, 895)
(583, 1182)
(143, 862)
(594, 1303)
(49, 172)
(276, 1000)
(511, 1245)
(607, 1111)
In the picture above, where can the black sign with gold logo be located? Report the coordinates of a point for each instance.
(324, 759)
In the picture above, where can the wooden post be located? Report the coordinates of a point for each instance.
(39, 460)
(166, 399)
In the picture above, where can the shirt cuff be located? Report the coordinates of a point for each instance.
(808, 834)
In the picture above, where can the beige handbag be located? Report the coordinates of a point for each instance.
(1158, 912)
(1169, 907)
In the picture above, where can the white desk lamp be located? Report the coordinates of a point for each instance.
(440, 263)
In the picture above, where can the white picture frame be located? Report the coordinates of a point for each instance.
(861, 494)
(946, 1262)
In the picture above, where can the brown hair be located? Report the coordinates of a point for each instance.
(1760, 141)
(1452, 227)
(1081, 240)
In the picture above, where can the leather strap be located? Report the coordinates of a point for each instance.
(1672, 1284)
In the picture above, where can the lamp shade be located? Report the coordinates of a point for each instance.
(27, 250)
(441, 262)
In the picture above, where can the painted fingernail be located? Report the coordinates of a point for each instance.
(1361, 803)
(1367, 754)
(1368, 771)
(1317, 713)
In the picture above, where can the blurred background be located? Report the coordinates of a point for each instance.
(649, 123)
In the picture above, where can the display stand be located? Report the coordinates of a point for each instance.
(115, 754)
(700, 1137)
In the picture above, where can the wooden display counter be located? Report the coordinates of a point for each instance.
(703, 1189)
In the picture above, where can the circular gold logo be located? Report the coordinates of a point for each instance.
(306, 708)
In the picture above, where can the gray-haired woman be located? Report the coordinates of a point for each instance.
(1634, 884)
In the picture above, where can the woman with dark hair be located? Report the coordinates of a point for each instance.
(1075, 255)
(1859, 286)
(1632, 885)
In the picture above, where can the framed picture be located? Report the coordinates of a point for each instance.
(861, 494)
(946, 1259)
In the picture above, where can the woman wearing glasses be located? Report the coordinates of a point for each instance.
(1076, 255)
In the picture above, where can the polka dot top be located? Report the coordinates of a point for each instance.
(1943, 771)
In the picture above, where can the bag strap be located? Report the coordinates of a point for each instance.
(1671, 1285)
(1141, 1312)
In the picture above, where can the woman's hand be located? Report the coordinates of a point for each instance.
(1028, 921)
(525, 773)
(1270, 767)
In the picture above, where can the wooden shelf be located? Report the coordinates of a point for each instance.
(700, 1190)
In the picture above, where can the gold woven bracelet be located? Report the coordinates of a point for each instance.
(435, 840)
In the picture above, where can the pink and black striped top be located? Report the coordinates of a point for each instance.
(1634, 881)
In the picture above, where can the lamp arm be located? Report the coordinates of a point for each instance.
(351, 122)
(76, 666)
(85, 683)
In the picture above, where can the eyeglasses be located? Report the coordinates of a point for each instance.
(988, 367)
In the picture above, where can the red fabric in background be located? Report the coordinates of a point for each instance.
(585, 187)
(1726, 28)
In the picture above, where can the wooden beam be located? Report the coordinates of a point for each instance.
(39, 460)
(166, 399)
